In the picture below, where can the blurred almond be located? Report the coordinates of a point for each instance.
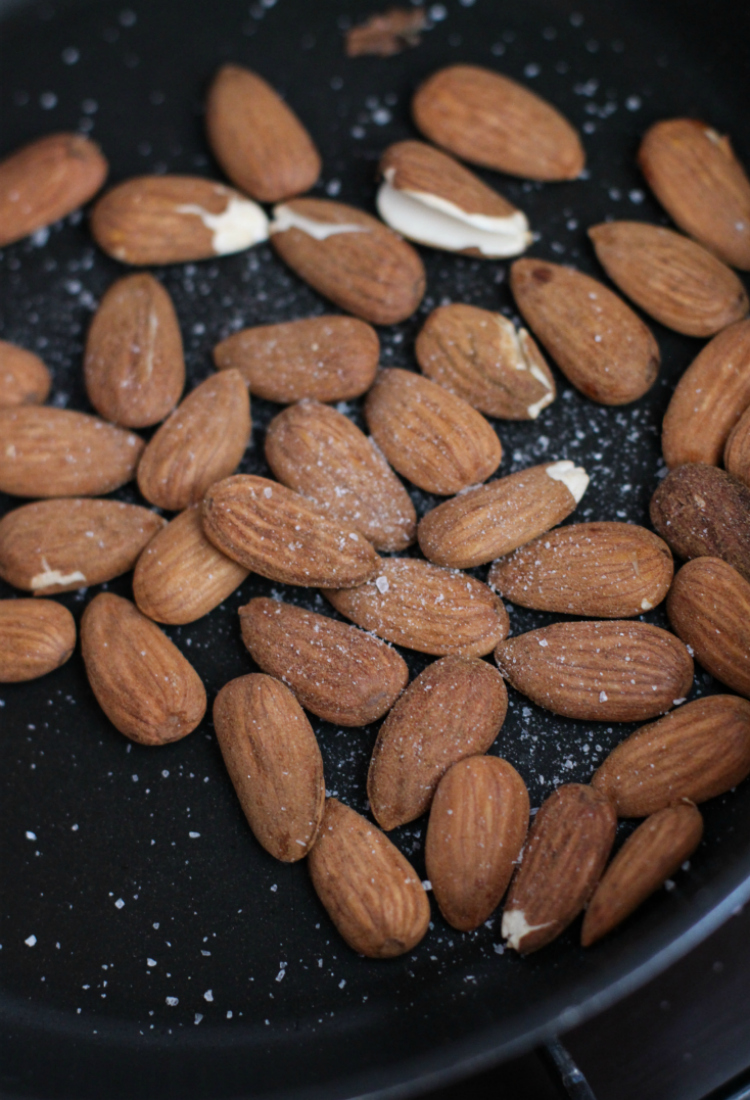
(36, 637)
(24, 379)
(737, 450)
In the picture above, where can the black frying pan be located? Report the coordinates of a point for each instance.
(99, 859)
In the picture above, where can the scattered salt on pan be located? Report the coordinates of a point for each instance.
(208, 995)
(172, 1001)
(30, 941)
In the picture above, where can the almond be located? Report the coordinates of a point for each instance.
(24, 379)
(386, 33)
(349, 257)
(455, 708)
(737, 450)
(134, 367)
(340, 673)
(696, 177)
(61, 545)
(479, 356)
(675, 280)
(490, 120)
(616, 671)
(47, 452)
(597, 341)
(562, 862)
(36, 636)
(429, 435)
(372, 893)
(202, 441)
(322, 455)
(181, 576)
(277, 533)
(142, 682)
(274, 762)
(698, 751)
(485, 522)
(478, 822)
(600, 570)
(257, 139)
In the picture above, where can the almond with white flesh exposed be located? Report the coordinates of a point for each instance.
(152, 220)
(563, 859)
(142, 682)
(60, 545)
(49, 452)
(650, 855)
(372, 893)
(257, 139)
(327, 358)
(277, 533)
(737, 450)
(430, 436)
(336, 671)
(600, 570)
(696, 177)
(598, 342)
(134, 367)
(36, 636)
(481, 357)
(488, 521)
(699, 751)
(490, 120)
(181, 576)
(202, 441)
(349, 257)
(675, 280)
(24, 379)
(430, 198)
(614, 671)
(478, 823)
(274, 762)
(455, 708)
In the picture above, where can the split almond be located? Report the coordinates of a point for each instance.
(737, 450)
(36, 637)
(24, 379)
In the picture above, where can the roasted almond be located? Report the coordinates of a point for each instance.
(386, 33)
(24, 379)
(36, 636)
(737, 450)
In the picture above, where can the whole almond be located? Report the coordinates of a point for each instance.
(597, 341)
(429, 435)
(614, 671)
(274, 762)
(483, 523)
(478, 823)
(142, 682)
(202, 441)
(490, 120)
(600, 570)
(372, 893)
(24, 379)
(340, 673)
(563, 859)
(257, 139)
(36, 636)
(48, 452)
(737, 450)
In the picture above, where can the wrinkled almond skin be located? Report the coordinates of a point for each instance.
(274, 762)
(455, 708)
(646, 860)
(372, 893)
(24, 379)
(562, 862)
(202, 441)
(700, 750)
(421, 606)
(336, 671)
(612, 671)
(36, 637)
(600, 570)
(598, 342)
(142, 682)
(429, 435)
(478, 823)
(321, 454)
(737, 450)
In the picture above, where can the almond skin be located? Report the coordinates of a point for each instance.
(615, 671)
(36, 636)
(274, 762)
(563, 859)
(737, 450)
(142, 682)
(429, 435)
(478, 823)
(24, 379)
(340, 673)
(372, 893)
(600, 570)
(699, 751)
